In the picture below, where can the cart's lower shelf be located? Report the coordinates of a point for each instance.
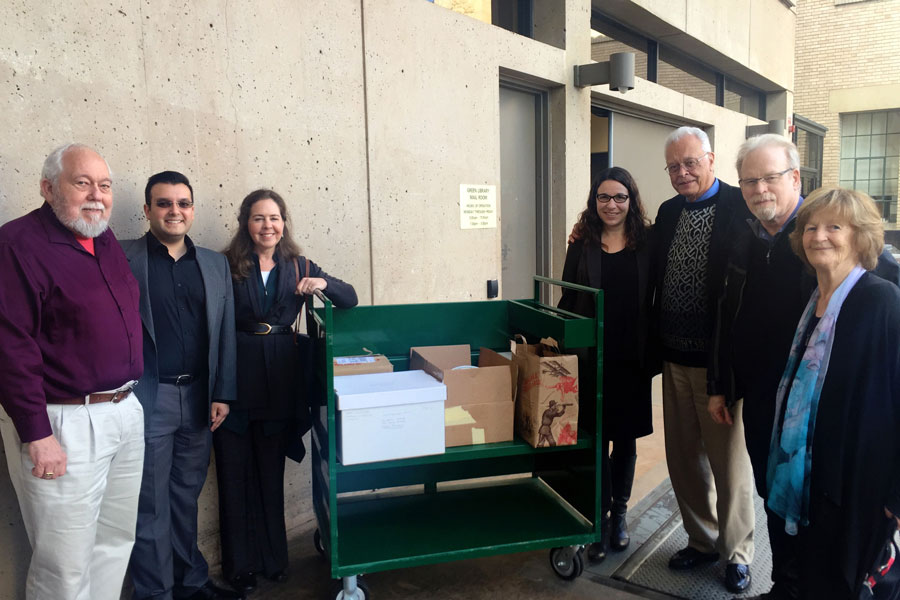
(509, 516)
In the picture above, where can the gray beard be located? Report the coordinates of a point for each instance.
(766, 214)
(80, 226)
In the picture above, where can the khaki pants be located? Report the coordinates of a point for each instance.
(81, 525)
(709, 467)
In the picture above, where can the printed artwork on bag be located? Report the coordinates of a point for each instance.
(547, 402)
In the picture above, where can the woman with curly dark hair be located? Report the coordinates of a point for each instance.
(612, 254)
(271, 283)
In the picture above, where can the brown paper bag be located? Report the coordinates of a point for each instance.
(547, 399)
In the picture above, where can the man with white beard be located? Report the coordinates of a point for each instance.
(72, 429)
(766, 290)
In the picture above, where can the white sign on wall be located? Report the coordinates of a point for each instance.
(477, 206)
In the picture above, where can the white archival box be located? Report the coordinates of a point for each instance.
(386, 416)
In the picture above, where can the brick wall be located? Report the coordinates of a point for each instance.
(842, 46)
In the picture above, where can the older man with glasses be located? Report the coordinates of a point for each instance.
(770, 285)
(72, 429)
(708, 464)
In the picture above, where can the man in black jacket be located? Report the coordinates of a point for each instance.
(708, 464)
(766, 290)
(187, 311)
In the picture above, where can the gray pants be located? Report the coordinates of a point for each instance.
(166, 561)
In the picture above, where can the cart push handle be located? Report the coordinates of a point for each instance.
(596, 293)
(539, 279)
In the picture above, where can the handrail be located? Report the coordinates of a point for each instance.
(565, 284)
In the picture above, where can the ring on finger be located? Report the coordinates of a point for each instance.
(48, 475)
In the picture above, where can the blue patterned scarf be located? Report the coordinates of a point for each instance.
(790, 453)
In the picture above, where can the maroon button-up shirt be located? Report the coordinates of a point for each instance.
(69, 321)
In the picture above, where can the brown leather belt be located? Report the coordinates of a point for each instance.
(113, 397)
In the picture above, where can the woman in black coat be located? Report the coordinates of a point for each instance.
(834, 462)
(612, 254)
(271, 283)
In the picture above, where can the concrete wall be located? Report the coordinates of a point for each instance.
(366, 115)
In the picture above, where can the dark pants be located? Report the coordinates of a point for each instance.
(617, 473)
(166, 561)
(809, 557)
(800, 563)
(250, 469)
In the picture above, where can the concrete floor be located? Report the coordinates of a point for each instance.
(525, 575)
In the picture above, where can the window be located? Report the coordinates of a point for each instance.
(870, 157)
(514, 15)
(673, 69)
(808, 136)
(607, 38)
(682, 74)
(745, 99)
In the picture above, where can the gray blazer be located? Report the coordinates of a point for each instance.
(219, 321)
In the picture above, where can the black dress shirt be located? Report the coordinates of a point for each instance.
(178, 304)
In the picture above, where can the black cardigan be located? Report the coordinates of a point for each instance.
(731, 213)
(582, 266)
(268, 373)
(856, 445)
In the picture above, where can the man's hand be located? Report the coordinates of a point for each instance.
(48, 458)
(891, 515)
(217, 413)
(576, 233)
(718, 411)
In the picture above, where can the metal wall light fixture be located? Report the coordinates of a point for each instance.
(618, 72)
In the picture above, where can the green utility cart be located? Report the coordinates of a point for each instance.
(471, 501)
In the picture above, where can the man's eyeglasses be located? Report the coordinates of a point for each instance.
(689, 164)
(619, 198)
(770, 179)
(182, 204)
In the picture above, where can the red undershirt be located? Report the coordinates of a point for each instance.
(86, 242)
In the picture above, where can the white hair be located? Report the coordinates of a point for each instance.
(768, 140)
(53, 163)
(686, 131)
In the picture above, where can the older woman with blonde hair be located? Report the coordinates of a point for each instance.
(834, 462)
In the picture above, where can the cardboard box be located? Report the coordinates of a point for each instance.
(386, 416)
(480, 403)
(360, 365)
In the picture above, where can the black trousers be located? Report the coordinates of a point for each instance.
(250, 471)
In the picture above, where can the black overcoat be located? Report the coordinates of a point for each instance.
(856, 444)
(268, 370)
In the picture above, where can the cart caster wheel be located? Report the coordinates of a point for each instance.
(362, 591)
(317, 542)
(567, 562)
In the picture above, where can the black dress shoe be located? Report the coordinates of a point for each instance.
(244, 583)
(278, 576)
(737, 578)
(211, 591)
(689, 558)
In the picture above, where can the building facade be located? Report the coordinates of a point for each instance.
(848, 82)
(385, 124)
